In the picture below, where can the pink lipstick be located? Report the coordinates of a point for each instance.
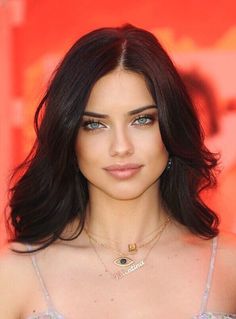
(123, 171)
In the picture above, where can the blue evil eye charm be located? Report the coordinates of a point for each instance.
(123, 261)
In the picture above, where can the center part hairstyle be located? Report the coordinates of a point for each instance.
(52, 192)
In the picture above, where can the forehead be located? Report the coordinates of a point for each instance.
(119, 90)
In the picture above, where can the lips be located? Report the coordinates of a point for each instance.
(122, 167)
(123, 171)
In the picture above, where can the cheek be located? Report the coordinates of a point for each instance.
(156, 154)
(88, 150)
(151, 142)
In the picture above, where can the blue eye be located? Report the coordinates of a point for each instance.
(144, 119)
(91, 125)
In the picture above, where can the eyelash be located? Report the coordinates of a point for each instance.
(91, 121)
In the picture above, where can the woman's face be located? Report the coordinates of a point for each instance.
(119, 147)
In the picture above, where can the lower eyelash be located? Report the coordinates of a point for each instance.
(86, 123)
(145, 116)
(90, 121)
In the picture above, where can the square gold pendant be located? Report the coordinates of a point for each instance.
(132, 248)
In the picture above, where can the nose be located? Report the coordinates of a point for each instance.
(121, 143)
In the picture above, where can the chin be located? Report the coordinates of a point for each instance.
(128, 193)
(124, 197)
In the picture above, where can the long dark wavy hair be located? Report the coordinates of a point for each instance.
(51, 192)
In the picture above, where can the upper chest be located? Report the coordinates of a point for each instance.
(173, 281)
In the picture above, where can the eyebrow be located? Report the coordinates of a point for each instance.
(133, 112)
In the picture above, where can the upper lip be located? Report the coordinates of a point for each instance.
(122, 166)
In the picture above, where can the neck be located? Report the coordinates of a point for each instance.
(124, 221)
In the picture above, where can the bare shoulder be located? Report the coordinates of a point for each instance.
(14, 274)
(13, 264)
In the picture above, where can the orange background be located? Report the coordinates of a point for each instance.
(34, 35)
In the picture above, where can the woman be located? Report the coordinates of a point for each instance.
(107, 217)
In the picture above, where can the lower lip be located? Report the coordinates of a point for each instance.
(124, 173)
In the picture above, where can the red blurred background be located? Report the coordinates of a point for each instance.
(199, 35)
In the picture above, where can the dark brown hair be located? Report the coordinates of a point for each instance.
(52, 192)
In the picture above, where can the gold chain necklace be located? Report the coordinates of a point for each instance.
(134, 265)
(132, 248)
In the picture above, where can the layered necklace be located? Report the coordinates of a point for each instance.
(127, 264)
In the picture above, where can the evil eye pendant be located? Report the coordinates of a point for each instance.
(123, 261)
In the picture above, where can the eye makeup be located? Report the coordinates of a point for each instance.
(91, 124)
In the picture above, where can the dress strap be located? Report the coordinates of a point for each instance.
(41, 280)
(209, 277)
